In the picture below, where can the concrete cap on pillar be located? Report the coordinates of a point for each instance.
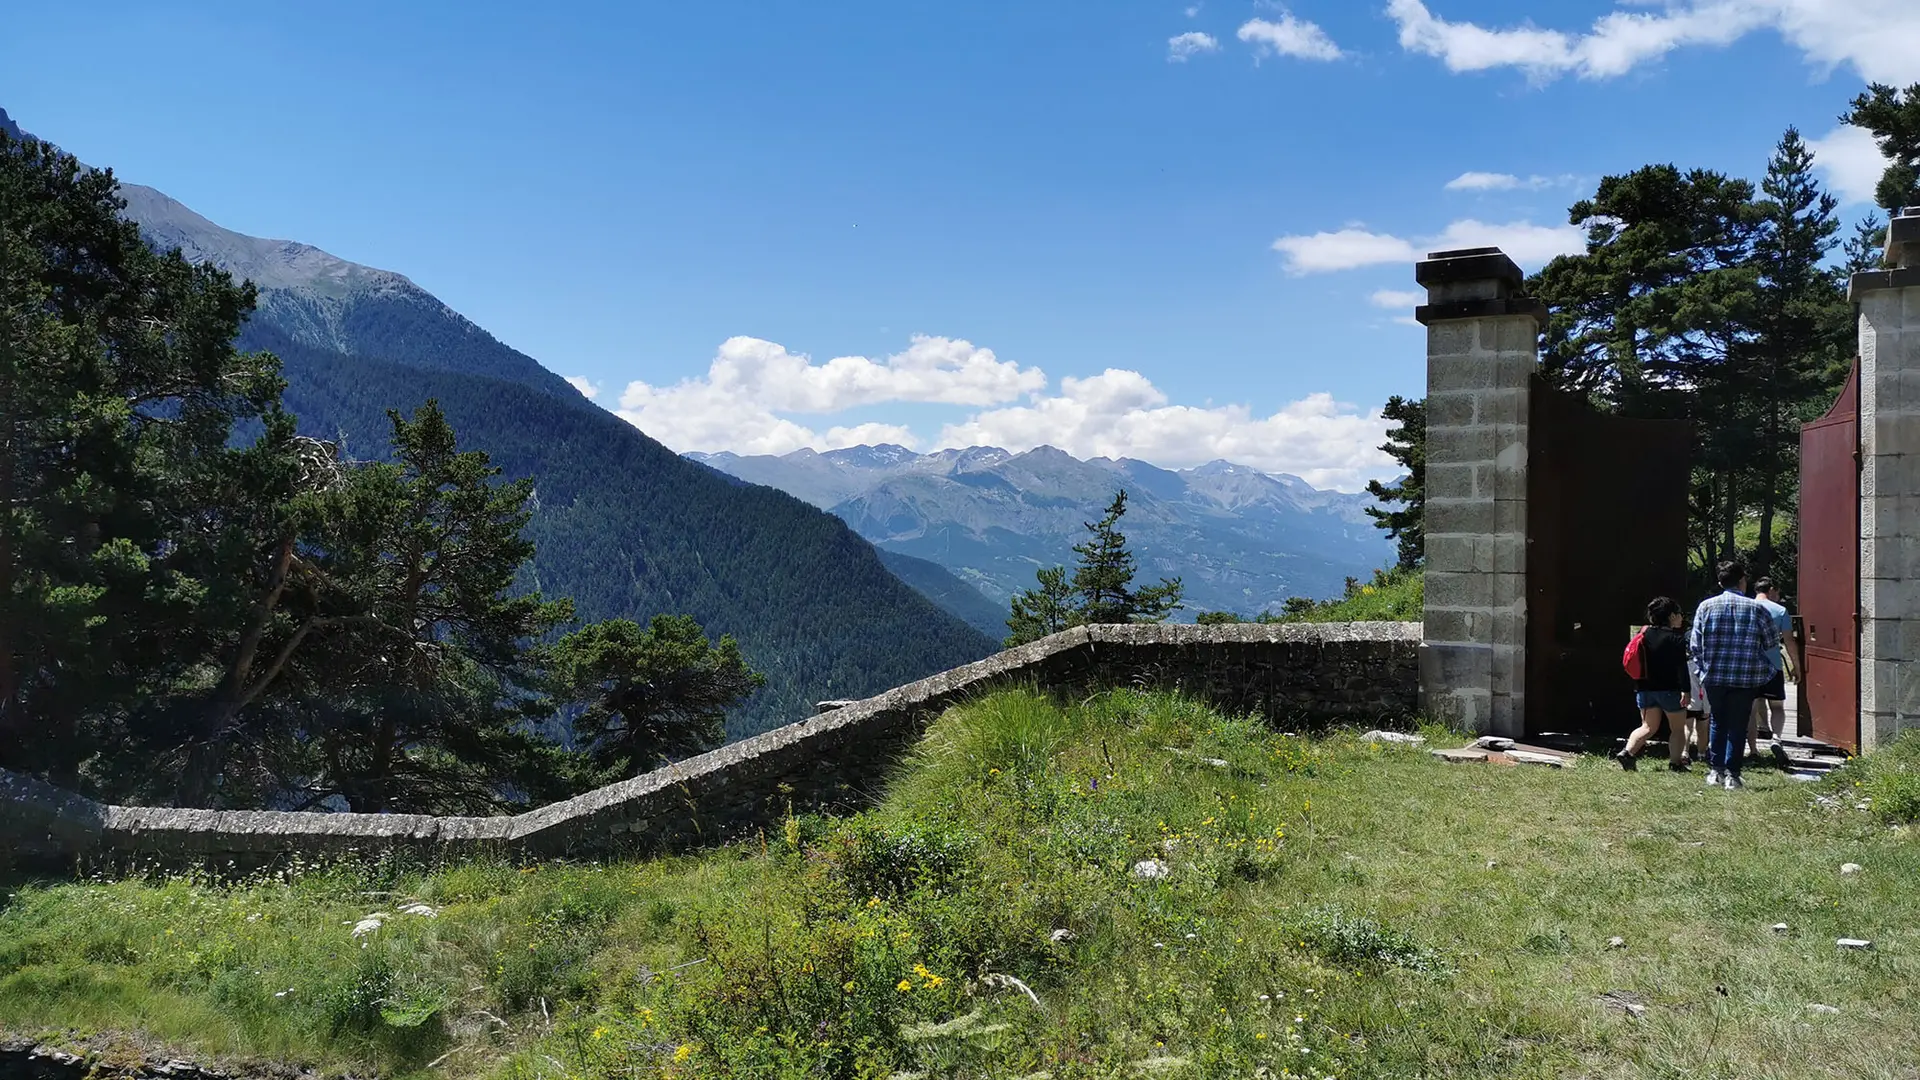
(1903, 239)
(1473, 283)
(1903, 259)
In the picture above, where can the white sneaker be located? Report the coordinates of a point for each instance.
(1714, 777)
(1733, 783)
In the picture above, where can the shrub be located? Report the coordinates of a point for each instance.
(1888, 779)
(875, 858)
(1362, 941)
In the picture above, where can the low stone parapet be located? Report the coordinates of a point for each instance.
(1303, 674)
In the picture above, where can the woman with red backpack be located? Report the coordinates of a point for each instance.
(1657, 661)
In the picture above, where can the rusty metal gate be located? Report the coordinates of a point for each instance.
(1606, 532)
(1829, 571)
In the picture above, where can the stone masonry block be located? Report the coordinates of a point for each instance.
(1893, 390)
(1884, 639)
(1454, 409)
(1510, 517)
(1461, 443)
(1460, 516)
(1459, 626)
(1452, 554)
(1508, 671)
(1509, 636)
(1455, 590)
(1879, 729)
(1511, 334)
(1514, 371)
(1889, 517)
(1889, 597)
(1456, 666)
(1448, 480)
(1891, 557)
(1457, 373)
(1509, 554)
(1890, 476)
(1880, 312)
(1506, 407)
(1891, 432)
(1455, 337)
(1509, 591)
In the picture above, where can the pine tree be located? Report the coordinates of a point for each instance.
(119, 391)
(1893, 116)
(1799, 326)
(1407, 444)
(1100, 591)
(1046, 609)
(648, 696)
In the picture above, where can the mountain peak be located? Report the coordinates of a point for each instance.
(869, 457)
(12, 129)
(1220, 467)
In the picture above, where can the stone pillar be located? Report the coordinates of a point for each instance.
(1482, 349)
(1889, 305)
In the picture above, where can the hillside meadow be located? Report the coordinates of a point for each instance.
(1130, 885)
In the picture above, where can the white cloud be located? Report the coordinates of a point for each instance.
(1352, 248)
(1851, 160)
(1121, 414)
(1183, 47)
(740, 403)
(1192, 10)
(1875, 37)
(584, 385)
(1346, 249)
(750, 382)
(1493, 181)
(1396, 300)
(1289, 37)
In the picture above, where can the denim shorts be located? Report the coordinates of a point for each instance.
(1671, 701)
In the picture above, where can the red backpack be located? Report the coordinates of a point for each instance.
(1633, 659)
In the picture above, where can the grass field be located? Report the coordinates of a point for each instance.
(1132, 886)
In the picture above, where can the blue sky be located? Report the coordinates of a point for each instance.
(1164, 229)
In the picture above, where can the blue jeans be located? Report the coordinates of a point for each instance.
(1728, 708)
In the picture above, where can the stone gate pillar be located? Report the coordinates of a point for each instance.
(1482, 349)
(1889, 303)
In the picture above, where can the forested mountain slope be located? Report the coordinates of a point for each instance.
(625, 526)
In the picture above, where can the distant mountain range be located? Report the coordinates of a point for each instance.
(624, 526)
(1240, 539)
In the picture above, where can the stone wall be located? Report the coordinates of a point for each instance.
(1305, 674)
(1481, 355)
(1889, 302)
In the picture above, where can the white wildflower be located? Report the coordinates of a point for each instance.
(422, 910)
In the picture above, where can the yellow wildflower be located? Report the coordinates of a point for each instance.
(904, 986)
(683, 1052)
(599, 1032)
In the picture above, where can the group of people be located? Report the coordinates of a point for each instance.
(1713, 683)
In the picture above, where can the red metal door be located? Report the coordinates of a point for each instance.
(1829, 572)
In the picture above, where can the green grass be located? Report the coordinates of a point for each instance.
(1330, 908)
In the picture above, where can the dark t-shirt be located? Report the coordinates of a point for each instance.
(1664, 652)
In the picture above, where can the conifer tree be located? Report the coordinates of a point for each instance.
(1893, 116)
(648, 696)
(1100, 590)
(1406, 444)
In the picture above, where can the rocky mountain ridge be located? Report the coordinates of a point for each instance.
(1241, 539)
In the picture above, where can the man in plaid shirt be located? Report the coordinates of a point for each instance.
(1731, 641)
